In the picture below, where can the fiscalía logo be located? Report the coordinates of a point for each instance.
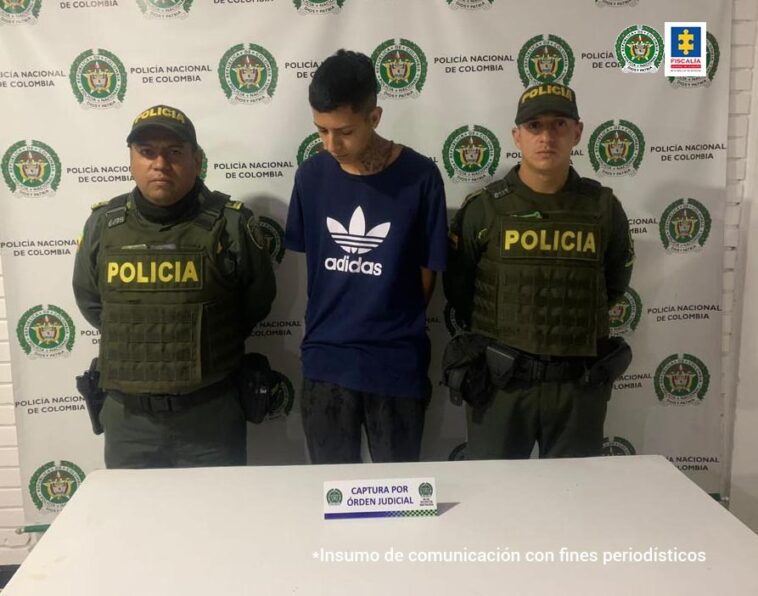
(283, 397)
(400, 68)
(469, 4)
(616, 3)
(274, 236)
(53, 484)
(545, 58)
(14, 12)
(248, 74)
(616, 148)
(639, 49)
(454, 326)
(681, 379)
(712, 57)
(355, 240)
(311, 145)
(98, 79)
(31, 169)
(318, 6)
(165, 9)
(334, 497)
(624, 315)
(618, 446)
(685, 49)
(45, 332)
(471, 153)
(684, 225)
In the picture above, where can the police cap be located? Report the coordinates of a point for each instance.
(165, 117)
(548, 97)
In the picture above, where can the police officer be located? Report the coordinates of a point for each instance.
(535, 261)
(174, 277)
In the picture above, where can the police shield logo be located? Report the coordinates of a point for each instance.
(712, 57)
(53, 484)
(545, 58)
(318, 6)
(45, 332)
(248, 74)
(616, 148)
(684, 226)
(624, 315)
(98, 79)
(334, 497)
(31, 169)
(453, 325)
(282, 399)
(469, 4)
(471, 153)
(400, 68)
(639, 49)
(14, 12)
(165, 9)
(203, 164)
(681, 379)
(618, 446)
(311, 145)
(274, 237)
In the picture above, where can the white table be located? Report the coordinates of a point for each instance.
(256, 530)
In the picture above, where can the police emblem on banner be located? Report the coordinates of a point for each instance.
(616, 148)
(616, 3)
(712, 56)
(15, 12)
(400, 68)
(469, 4)
(639, 49)
(618, 446)
(624, 315)
(283, 397)
(334, 497)
(318, 6)
(311, 145)
(684, 226)
(31, 169)
(452, 324)
(45, 332)
(681, 379)
(458, 453)
(471, 153)
(274, 235)
(98, 79)
(248, 74)
(165, 9)
(53, 484)
(545, 58)
(203, 164)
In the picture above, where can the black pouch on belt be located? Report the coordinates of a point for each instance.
(501, 362)
(88, 385)
(615, 356)
(256, 383)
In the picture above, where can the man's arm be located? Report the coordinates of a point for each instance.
(85, 276)
(428, 278)
(619, 256)
(257, 274)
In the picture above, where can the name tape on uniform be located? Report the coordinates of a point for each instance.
(404, 497)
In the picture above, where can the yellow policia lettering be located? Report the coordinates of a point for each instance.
(148, 273)
(551, 240)
(547, 90)
(161, 111)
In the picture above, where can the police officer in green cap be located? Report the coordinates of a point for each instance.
(174, 277)
(535, 261)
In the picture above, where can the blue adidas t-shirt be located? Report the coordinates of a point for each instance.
(365, 240)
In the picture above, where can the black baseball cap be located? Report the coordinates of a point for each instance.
(166, 117)
(549, 97)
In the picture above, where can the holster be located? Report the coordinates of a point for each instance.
(614, 357)
(464, 370)
(256, 383)
(88, 385)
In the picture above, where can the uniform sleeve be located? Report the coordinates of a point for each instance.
(256, 272)
(85, 279)
(619, 256)
(434, 255)
(464, 251)
(294, 235)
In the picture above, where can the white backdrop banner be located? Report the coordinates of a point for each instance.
(74, 73)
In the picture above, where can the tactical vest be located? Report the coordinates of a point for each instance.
(170, 319)
(540, 284)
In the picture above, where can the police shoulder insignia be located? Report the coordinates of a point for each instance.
(98, 205)
(498, 189)
(236, 205)
(471, 197)
(256, 235)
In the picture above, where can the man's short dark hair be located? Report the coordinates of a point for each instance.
(344, 79)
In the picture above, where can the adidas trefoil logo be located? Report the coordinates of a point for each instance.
(356, 241)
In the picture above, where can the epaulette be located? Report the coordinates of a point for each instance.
(236, 205)
(98, 205)
(471, 197)
(498, 189)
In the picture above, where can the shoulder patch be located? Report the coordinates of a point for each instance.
(255, 233)
(498, 189)
(236, 205)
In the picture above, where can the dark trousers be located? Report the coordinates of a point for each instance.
(566, 420)
(211, 433)
(333, 416)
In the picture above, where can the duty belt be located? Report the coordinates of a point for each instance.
(155, 403)
(541, 370)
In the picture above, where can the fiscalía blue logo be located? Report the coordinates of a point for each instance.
(685, 49)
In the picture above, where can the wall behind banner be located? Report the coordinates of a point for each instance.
(72, 82)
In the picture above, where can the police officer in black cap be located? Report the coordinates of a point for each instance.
(535, 261)
(175, 277)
